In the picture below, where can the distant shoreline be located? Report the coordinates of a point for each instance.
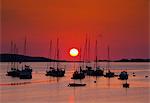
(23, 58)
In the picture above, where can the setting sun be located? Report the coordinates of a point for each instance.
(74, 52)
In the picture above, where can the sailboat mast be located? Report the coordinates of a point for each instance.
(108, 57)
(17, 52)
(25, 46)
(85, 52)
(25, 49)
(80, 55)
(89, 50)
(11, 47)
(14, 50)
(57, 51)
(96, 53)
(11, 53)
(50, 50)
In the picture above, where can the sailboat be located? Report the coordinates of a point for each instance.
(48, 72)
(58, 72)
(78, 74)
(14, 72)
(98, 71)
(109, 74)
(26, 72)
(86, 57)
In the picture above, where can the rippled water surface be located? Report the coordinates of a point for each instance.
(44, 89)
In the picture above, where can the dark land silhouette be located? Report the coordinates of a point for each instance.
(23, 58)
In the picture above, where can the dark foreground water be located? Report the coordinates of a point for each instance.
(43, 89)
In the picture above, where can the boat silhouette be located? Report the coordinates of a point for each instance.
(14, 71)
(56, 72)
(123, 75)
(109, 74)
(76, 85)
(78, 74)
(98, 71)
(26, 73)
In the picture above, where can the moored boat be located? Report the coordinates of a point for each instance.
(26, 73)
(13, 72)
(55, 72)
(109, 74)
(78, 75)
(123, 75)
(76, 85)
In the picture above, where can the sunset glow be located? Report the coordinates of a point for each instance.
(122, 24)
(74, 52)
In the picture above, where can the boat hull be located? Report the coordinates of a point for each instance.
(76, 85)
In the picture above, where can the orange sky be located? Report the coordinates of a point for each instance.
(123, 25)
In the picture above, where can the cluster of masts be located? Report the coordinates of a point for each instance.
(86, 70)
(25, 72)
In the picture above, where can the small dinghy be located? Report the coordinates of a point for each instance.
(76, 85)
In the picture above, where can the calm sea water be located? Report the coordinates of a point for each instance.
(44, 89)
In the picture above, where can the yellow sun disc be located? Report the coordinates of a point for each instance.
(74, 52)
